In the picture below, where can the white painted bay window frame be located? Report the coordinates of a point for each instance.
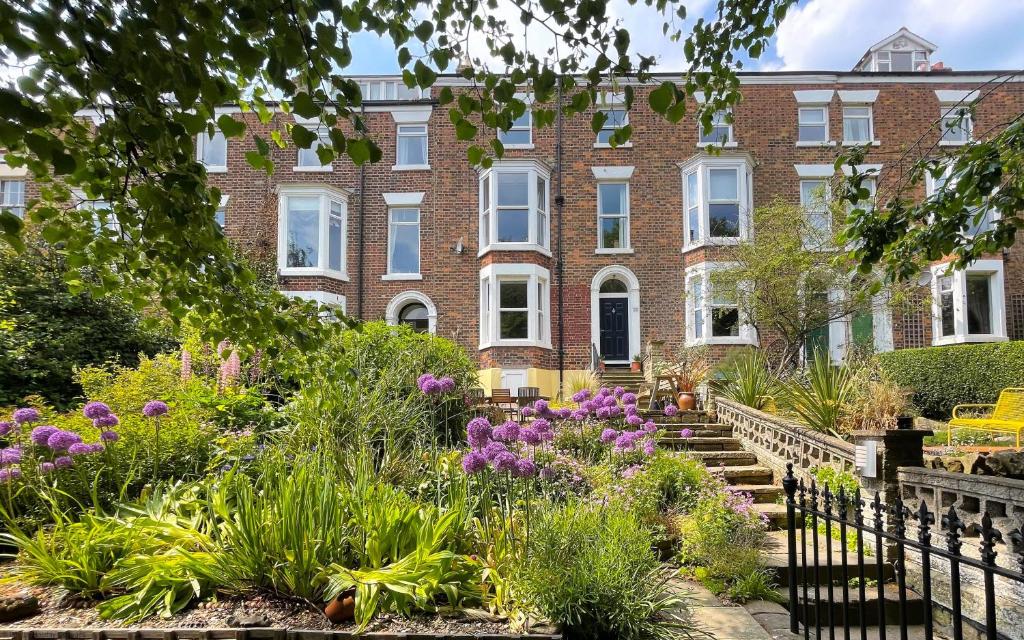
(327, 196)
(958, 289)
(538, 205)
(705, 304)
(538, 309)
(701, 166)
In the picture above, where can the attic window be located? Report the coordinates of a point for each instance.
(901, 61)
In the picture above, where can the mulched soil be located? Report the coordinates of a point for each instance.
(236, 611)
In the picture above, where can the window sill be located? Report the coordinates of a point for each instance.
(808, 143)
(853, 143)
(518, 146)
(514, 343)
(605, 145)
(411, 167)
(402, 276)
(616, 251)
(313, 169)
(969, 338)
(953, 143)
(210, 169)
(718, 145)
(713, 242)
(311, 271)
(513, 246)
(722, 340)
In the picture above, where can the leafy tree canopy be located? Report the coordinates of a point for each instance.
(155, 71)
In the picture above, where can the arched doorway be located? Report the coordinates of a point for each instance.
(615, 314)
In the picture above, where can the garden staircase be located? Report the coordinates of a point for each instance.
(714, 444)
(621, 377)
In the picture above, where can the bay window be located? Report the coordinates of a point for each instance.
(514, 211)
(515, 306)
(713, 317)
(312, 236)
(968, 305)
(717, 199)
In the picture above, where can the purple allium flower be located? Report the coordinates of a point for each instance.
(650, 427)
(541, 425)
(588, 406)
(527, 412)
(109, 436)
(629, 398)
(107, 421)
(530, 436)
(525, 468)
(634, 420)
(648, 447)
(579, 415)
(686, 433)
(478, 432)
(474, 462)
(46, 467)
(61, 440)
(447, 384)
(63, 462)
(581, 395)
(540, 406)
(614, 411)
(604, 391)
(671, 410)
(603, 413)
(564, 412)
(631, 410)
(6, 427)
(41, 434)
(619, 391)
(27, 414)
(428, 384)
(423, 378)
(492, 450)
(79, 449)
(624, 442)
(610, 401)
(94, 410)
(154, 409)
(507, 432)
(97, 447)
(504, 461)
(609, 435)
(10, 455)
(547, 473)
(12, 473)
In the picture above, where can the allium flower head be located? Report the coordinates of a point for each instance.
(650, 427)
(79, 449)
(41, 434)
(629, 398)
(478, 432)
(610, 401)
(540, 406)
(530, 436)
(614, 411)
(634, 420)
(581, 395)
(62, 440)
(631, 410)
(671, 410)
(525, 468)
(12, 473)
(6, 427)
(526, 412)
(10, 455)
(27, 414)
(474, 462)
(507, 432)
(504, 461)
(603, 413)
(428, 384)
(604, 391)
(154, 409)
(97, 447)
(579, 415)
(609, 435)
(94, 410)
(107, 421)
(624, 442)
(447, 384)
(619, 391)
(541, 425)
(648, 447)
(492, 450)
(686, 433)
(63, 462)
(109, 436)
(46, 467)
(588, 406)
(564, 412)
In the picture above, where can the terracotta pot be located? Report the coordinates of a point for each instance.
(686, 400)
(634, 366)
(342, 608)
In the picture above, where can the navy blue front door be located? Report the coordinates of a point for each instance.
(614, 329)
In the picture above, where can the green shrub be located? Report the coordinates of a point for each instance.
(821, 398)
(591, 570)
(746, 379)
(943, 377)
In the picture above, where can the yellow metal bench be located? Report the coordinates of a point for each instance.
(1006, 415)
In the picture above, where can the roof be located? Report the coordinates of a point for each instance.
(905, 34)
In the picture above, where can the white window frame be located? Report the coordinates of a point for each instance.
(400, 135)
(6, 196)
(952, 112)
(528, 127)
(323, 299)
(871, 124)
(614, 175)
(327, 195)
(389, 90)
(701, 165)
(538, 292)
(222, 211)
(718, 120)
(612, 129)
(930, 188)
(404, 201)
(823, 108)
(539, 220)
(202, 140)
(818, 209)
(747, 335)
(322, 138)
(994, 269)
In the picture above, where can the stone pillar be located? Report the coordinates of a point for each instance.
(655, 357)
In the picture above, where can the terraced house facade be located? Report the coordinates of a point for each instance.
(567, 248)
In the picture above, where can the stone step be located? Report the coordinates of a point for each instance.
(819, 606)
(762, 493)
(775, 558)
(775, 514)
(726, 458)
(676, 427)
(699, 443)
(747, 475)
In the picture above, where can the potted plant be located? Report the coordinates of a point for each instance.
(691, 370)
(600, 364)
(637, 363)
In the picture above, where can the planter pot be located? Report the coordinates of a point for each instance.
(342, 608)
(905, 422)
(600, 366)
(686, 400)
(634, 366)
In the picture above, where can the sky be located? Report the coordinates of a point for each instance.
(816, 34)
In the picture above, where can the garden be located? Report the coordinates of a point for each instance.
(200, 488)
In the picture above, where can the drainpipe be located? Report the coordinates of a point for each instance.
(362, 227)
(559, 263)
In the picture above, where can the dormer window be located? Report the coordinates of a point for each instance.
(901, 61)
(514, 207)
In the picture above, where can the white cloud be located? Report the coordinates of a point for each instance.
(970, 34)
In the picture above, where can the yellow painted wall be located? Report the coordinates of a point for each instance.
(544, 379)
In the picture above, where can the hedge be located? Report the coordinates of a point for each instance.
(943, 377)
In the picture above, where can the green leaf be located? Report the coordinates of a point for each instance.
(425, 76)
(424, 30)
(359, 150)
(230, 127)
(465, 130)
(661, 98)
(304, 106)
(303, 137)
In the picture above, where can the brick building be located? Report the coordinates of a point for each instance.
(567, 247)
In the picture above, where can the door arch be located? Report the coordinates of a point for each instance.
(615, 289)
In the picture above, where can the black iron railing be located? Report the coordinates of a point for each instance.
(837, 518)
